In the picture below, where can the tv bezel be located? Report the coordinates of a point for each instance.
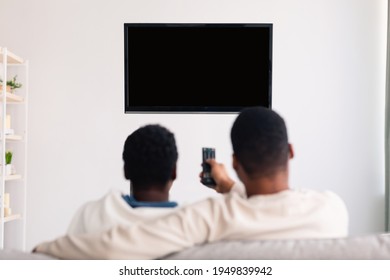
(191, 109)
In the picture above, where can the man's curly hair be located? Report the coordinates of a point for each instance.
(149, 155)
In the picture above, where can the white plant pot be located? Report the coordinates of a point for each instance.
(8, 169)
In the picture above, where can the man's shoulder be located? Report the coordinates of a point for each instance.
(322, 197)
(314, 192)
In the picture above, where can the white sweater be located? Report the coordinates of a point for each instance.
(111, 210)
(289, 214)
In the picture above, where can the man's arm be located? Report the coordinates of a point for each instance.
(225, 184)
(195, 224)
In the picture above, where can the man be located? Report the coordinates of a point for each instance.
(269, 210)
(150, 156)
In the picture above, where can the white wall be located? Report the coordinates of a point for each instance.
(328, 83)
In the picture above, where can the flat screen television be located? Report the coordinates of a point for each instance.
(197, 68)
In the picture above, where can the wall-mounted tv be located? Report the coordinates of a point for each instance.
(197, 68)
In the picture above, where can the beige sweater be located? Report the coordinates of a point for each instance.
(111, 210)
(289, 214)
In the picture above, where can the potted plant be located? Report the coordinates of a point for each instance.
(8, 161)
(12, 84)
(1, 86)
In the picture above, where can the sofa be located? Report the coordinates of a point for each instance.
(368, 247)
(352, 248)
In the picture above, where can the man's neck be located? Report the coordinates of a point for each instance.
(267, 184)
(151, 196)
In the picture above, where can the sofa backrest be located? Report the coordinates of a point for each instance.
(352, 248)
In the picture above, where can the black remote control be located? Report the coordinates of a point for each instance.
(207, 179)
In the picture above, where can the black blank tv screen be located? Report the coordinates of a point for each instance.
(199, 68)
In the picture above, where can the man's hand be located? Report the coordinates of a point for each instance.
(220, 176)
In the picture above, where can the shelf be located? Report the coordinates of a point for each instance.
(13, 177)
(12, 218)
(12, 98)
(11, 58)
(15, 101)
(13, 137)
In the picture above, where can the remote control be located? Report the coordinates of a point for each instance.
(207, 179)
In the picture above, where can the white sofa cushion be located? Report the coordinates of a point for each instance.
(370, 247)
(359, 247)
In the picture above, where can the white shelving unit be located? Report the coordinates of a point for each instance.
(14, 105)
